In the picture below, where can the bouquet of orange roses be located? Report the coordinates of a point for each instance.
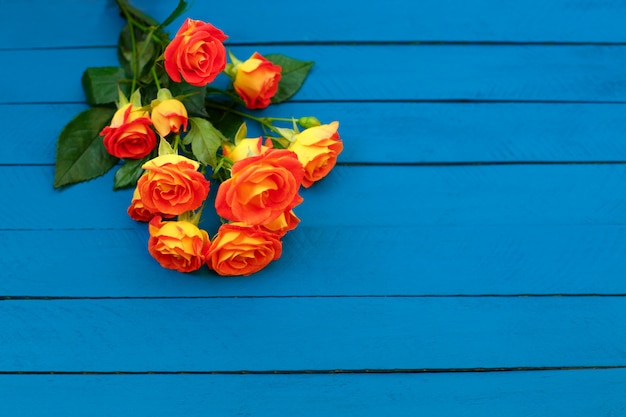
(173, 136)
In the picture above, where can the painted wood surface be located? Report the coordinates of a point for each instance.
(513, 229)
(475, 223)
(329, 21)
(514, 394)
(420, 132)
(365, 196)
(311, 334)
(415, 261)
(437, 72)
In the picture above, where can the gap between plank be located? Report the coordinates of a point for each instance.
(358, 43)
(228, 297)
(372, 101)
(325, 372)
(414, 164)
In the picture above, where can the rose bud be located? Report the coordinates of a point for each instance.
(129, 135)
(137, 211)
(317, 149)
(283, 223)
(256, 81)
(244, 148)
(169, 116)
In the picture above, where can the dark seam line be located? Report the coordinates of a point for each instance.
(71, 229)
(231, 297)
(327, 372)
(455, 101)
(412, 164)
(478, 163)
(430, 43)
(357, 43)
(375, 101)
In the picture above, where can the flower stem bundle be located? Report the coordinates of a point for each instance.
(159, 119)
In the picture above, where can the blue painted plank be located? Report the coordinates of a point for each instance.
(377, 261)
(421, 132)
(489, 72)
(96, 22)
(361, 196)
(300, 334)
(511, 394)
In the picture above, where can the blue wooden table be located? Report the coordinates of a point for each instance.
(467, 256)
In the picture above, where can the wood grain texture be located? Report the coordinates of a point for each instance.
(571, 393)
(429, 72)
(98, 23)
(299, 334)
(360, 196)
(397, 267)
(411, 132)
(407, 261)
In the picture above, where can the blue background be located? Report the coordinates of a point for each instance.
(467, 256)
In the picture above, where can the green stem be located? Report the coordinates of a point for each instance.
(145, 29)
(192, 216)
(176, 142)
(263, 121)
(155, 76)
(133, 42)
(280, 119)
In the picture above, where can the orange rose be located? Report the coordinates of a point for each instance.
(256, 81)
(172, 185)
(178, 245)
(317, 149)
(129, 135)
(169, 116)
(196, 53)
(240, 249)
(245, 148)
(137, 211)
(261, 188)
(283, 223)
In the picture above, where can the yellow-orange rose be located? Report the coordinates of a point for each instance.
(244, 148)
(240, 249)
(178, 245)
(261, 188)
(283, 223)
(256, 81)
(169, 116)
(196, 53)
(317, 149)
(129, 135)
(172, 185)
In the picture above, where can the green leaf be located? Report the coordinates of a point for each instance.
(226, 122)
(241, 134)
(294, 73)
(205, 140)
(136, 13)
(147, 52)
(81, 155)
(165, 148)
(288, 134)
(101, 84)
(180, 9)
(127, 175)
